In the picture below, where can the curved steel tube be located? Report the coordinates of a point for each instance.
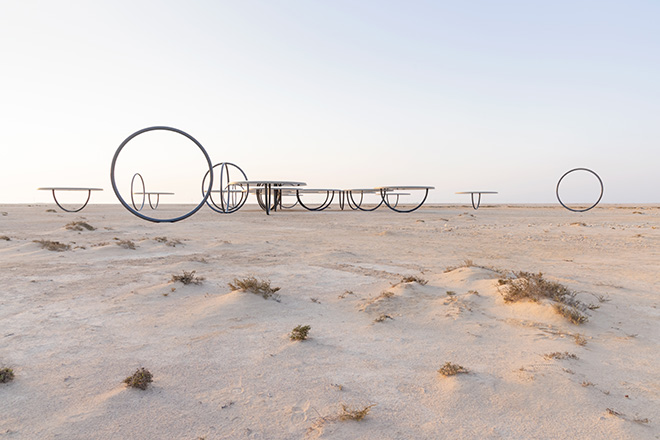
(322, 206)
(580, 169)
(89, 194)
(143, 192)
(146, 217)
(359, 205)
(228, 200)
(394, 208)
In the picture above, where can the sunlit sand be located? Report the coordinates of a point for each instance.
(406, 314)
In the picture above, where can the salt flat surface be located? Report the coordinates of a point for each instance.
(74, 324)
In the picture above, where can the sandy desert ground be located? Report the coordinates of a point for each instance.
(74, 324)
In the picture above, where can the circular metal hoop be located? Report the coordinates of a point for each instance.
(143, 192)
(580, 169)
(146, 217)
(228, 200)
(89, 194)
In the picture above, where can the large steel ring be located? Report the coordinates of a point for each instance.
(580, 169)
(228, 201)
(146, 217)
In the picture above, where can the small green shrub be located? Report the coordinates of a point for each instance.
(6, 375)
(253, 285)
(449, 369)
(140, 379)
(187, 278)
(300, 333)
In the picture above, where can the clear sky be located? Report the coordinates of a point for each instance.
(461, 95)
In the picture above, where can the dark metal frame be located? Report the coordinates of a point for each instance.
(144, 192)
(580, 169)
(230, 204)
(89, 194)
(355, 206)
(146, 217)
(329, 197)
(472, 193)
(383, 194)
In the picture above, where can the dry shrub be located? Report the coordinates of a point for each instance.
(349, 413)
(140, 379)
(300, 333)
(449, 369)
(533, 287)
(414, 279)
(126, 244)
(382, 318)
(79, 226)
(6, 375)
(55, 246)
(5, 238)
(169, 242)
(187, 278)
(579, 339)
(253, 285)
(559, 355)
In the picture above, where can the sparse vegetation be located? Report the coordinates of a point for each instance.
(253, 285)
(414, 279)
(465, 263)
(449, 369)
(579, 339)
(50, 210)
(315, 300)
(79, 226)
(559, 355)
(451, 293)
(55, 246)
(346, 293)
(169, 242)
(126, 244)
(300, 333)
(187, 278)
(473, 292)
(571, 313)
(6, 375)
(140, 379)
(349, 413)
(5, 238)
(533, 287)
(382, 318)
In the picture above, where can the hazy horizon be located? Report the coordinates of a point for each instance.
(504, 97)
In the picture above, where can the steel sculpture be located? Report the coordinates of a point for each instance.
(144, 196)
(229, 200)
(385, 189)
(146, 217)
(580, 169)
(268, 192)
(358, 205)
(329, 197)
(53, 189)
(472, 193)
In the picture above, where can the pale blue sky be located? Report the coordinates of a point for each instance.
(461, 95)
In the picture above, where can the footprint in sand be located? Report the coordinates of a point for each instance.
(299, 412)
